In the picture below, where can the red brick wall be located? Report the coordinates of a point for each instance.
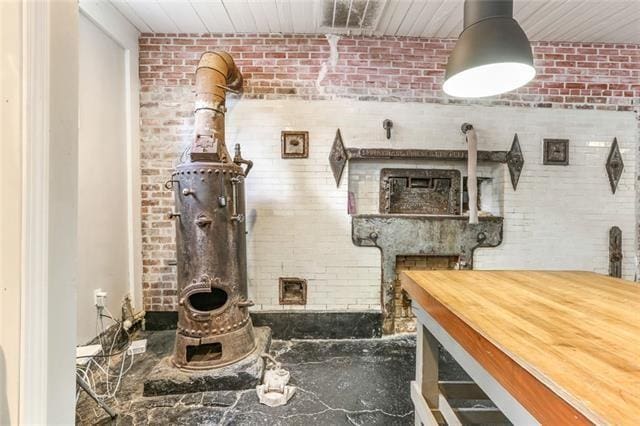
(394, 69)
(570, 75)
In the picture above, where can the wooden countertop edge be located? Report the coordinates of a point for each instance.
(553, 387)
(545, 404)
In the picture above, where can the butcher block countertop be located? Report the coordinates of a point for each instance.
(575, 335)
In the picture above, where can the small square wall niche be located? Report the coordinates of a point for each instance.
(556, 152)
(295, 144)
(293, 291)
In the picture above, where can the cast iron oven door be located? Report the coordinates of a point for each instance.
(420, 191)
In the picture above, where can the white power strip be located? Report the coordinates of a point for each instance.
(87, 353)
(137, 347)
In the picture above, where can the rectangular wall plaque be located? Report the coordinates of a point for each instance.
(295, 144)
(556, 152)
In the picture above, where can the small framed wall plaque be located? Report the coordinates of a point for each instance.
(556, 152)
(295, 144)
(293, 291)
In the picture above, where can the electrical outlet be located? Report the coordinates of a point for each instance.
(99, 298)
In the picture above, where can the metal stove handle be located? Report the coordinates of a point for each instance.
(234, 205)
(239, 160)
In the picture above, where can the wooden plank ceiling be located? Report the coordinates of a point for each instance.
(549, 20)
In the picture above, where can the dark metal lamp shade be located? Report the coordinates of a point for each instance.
(492, 55)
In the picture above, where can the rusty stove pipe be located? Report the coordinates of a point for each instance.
(216, 74)
(214, 326)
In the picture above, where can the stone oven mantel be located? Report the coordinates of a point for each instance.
(410, 234)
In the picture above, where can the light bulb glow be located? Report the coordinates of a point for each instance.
(489, 80)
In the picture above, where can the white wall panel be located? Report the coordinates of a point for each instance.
(102, 193)
(128, 12)
(184, 15)
(155, 17)
(214, 16)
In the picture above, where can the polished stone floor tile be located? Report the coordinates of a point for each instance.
(340, 382)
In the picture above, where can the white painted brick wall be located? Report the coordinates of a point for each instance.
(298, 223)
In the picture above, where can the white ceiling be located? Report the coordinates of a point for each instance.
(549, 20)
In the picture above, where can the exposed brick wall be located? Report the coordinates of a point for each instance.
(404, 321)
(580, 76)
(570, 75)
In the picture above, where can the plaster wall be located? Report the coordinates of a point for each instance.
(62, 223)
(102, 177)
(10, 208)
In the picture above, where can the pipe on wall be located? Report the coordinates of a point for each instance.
(216, 74)
(472, 179)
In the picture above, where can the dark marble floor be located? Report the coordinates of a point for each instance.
(340, 382)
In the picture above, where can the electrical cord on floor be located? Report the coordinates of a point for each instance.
(119, 350)
(112, 378)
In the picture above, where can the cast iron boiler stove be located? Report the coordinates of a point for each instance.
(214, 326)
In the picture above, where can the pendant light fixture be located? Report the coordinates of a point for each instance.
(492, 54)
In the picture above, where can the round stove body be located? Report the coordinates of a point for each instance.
(214, 326)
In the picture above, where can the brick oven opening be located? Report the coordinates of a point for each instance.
(403, 319)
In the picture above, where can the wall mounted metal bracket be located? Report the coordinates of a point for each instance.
(387, 125)
(615, 252)
(340, 155)
(614, 165)
(515, 161)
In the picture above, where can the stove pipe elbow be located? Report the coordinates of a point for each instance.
(216, 74)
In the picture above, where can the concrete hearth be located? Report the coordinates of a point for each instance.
(166, 379)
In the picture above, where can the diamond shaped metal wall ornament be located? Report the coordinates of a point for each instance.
(337, 157)
(615, 165)
(515, 161)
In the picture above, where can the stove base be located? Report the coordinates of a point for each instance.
(165, 379)
(215, 351)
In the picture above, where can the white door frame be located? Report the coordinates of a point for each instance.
(35, 212)
(49, 131)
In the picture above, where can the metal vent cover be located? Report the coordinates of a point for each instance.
(350, 14)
